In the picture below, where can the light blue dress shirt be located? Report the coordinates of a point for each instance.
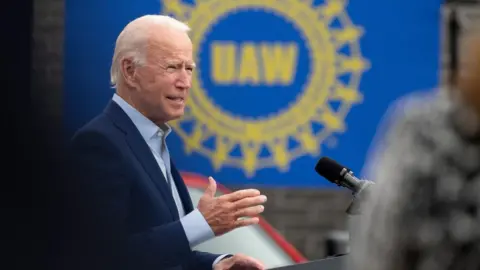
(194, 224)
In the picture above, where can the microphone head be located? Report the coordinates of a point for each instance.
(329, 169)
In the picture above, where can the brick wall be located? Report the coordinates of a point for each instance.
(304, 216)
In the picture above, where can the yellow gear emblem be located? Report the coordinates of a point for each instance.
(295, 122)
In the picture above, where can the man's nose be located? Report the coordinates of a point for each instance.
(184, 81)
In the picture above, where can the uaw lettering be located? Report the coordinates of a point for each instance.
(252, 63)
(275, 80)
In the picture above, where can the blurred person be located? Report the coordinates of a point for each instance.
(424, 210)
(134, 210)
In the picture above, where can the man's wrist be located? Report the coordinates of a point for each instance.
(196, 228)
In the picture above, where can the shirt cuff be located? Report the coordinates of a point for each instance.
(196, 228)
(219, 258)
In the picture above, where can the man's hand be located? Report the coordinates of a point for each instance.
(239, 262)
(227, 212)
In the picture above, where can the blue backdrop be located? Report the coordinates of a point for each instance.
(279, 83)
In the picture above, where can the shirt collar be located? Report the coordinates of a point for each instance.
(145, 126)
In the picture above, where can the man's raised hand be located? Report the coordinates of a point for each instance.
(230, 211)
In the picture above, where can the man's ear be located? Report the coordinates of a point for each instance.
(128, 69)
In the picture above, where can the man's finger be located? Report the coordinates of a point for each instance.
(212, 187)
(246, 222)
(250, 211)
(250, 201)
(240, 194)
(248, 261)
(225, 264)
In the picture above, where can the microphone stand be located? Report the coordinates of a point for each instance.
(359, 198)
(355, 209)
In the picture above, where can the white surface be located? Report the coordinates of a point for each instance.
(252, 241)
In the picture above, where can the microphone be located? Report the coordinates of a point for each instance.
(343, 176)
(338, 174)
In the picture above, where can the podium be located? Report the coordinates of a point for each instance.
(339, 262)
(332, 263)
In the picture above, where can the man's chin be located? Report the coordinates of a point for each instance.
(175, 116)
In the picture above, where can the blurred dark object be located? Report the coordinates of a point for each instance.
(17, 136)
(30, 151)
(337, 243)
(461, 18)
(453, 40)
(427, 174)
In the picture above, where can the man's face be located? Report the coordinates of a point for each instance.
(164, 81)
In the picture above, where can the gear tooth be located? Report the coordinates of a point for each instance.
(332, 121)
(217, 163)
(188, 149)
(345, 35)
(352, 64)
(250, 158)
(195, 139)
(332, 8)
(250, 172)
(308, 141)
(347, 94)
(221, 153)
(281, 155)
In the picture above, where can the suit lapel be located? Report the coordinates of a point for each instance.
(143, 153)
(182, 189)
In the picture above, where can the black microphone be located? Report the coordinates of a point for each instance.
(338, 174)
(343, 176)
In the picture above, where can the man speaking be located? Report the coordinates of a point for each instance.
(133, 207)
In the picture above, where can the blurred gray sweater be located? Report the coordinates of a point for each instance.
(424, 210)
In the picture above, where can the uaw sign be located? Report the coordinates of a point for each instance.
(268, 73)
(278, 84)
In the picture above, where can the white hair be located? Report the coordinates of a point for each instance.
(132, 41)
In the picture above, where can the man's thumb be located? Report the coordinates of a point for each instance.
(212, 187)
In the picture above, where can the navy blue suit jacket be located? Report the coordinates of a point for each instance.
(126, 215)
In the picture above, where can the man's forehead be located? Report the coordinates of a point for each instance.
(171, 55)
(177, 58)
(171, 42)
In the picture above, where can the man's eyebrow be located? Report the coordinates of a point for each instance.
(187, 63)
(180, 62)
